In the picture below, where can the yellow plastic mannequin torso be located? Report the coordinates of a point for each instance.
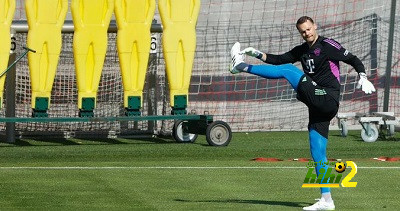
(7, 9)
(179, 18)
(45, 20)
(134, 20)
(91, 20)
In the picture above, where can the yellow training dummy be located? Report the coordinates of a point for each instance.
(45, 21)
(179, 18)
(134, 19)
(7, 9)
(91, 20)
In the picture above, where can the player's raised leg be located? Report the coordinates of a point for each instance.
(287, 71)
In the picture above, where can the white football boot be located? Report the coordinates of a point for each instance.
(321, 205)
(237, 58)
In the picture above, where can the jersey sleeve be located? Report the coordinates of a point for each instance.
(338, 53)
(289, 57)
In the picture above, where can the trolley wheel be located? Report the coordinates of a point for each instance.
(218, 133)
(373, 134)
(180, 136)
(343, 128)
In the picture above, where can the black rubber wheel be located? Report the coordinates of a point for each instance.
(218, 133)
(180, 136)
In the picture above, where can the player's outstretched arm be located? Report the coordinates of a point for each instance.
(365, 85)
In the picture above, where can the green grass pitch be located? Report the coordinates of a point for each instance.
(159, 174)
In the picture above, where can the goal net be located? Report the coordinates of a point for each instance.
(246, 102)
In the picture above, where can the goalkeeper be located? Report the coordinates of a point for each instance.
(317, 86)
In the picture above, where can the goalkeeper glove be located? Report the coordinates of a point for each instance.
(253, 52)
(365, 85)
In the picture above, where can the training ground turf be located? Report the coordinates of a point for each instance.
(159, 174)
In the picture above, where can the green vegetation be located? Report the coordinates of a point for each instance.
(159, 174)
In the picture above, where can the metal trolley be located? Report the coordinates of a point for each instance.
(186, 127)
(377, 124)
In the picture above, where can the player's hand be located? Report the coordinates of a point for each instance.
(253, 52)
(365, 85)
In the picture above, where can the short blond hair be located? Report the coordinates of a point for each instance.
(304, 19)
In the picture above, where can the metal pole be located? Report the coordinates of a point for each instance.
(10, 92)
(374, 60)
(152, 85)
(389, 57)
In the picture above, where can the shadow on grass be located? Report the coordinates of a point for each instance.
(42, 142)
(59, 141)
(358, 138)
(353, 136)
(156, 140)
(242, 201)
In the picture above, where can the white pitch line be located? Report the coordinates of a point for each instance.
(149, 167)
(165, 167)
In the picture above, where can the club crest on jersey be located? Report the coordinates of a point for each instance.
(317, 51)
